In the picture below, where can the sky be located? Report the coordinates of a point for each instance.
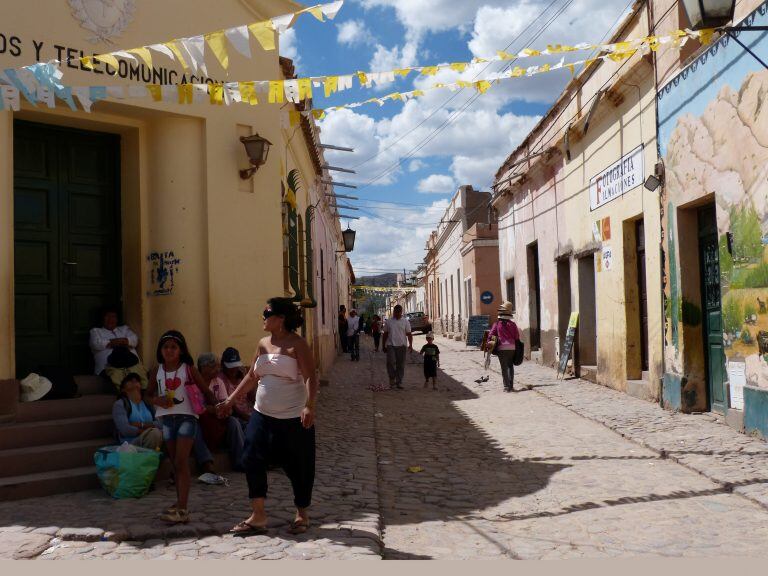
(410, 158)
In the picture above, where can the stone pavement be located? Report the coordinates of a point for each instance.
(345, 511)
(464, 472)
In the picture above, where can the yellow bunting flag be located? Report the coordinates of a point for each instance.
(317, 12)
(482, 86)
(363, 78)
(186, 93)
(219, 47)
(109, 60)
(530, 52)
(394, 96)
(144, 54)
(276, 92)
(331, 85)
(156, 91)
(403, 72)
(417, 93)
(572, 68)
(248, 93)
(87, 62)
(545, 68)
(429, 70)
(517, 72)
(318, 114)
(216, 93)
(706, 35)
(459, 66)
(305, 88)
(177, 52)
(464, 84)
(264, 33)
(620, 56)
(504, 55)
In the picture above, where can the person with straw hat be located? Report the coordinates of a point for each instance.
(507, 334)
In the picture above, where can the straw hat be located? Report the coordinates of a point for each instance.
(505, 310)
(34, 387)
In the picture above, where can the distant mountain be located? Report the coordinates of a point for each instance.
(389, 279)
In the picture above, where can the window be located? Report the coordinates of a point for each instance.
(322, 284)
(511, 292)
(458, 289)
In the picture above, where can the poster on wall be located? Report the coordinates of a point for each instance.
(737, 378)
(625, 174)
(712, 124)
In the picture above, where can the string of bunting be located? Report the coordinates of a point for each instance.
(299, 89)
(190, 51)
(383, 289)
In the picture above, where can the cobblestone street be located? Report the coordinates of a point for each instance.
(569, 469)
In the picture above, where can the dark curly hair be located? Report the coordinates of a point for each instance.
(178, 337)
(287, 309)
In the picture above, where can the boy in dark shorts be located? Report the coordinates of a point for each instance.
(431, 355)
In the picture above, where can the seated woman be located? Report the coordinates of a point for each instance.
(134, 418)
(114, 350)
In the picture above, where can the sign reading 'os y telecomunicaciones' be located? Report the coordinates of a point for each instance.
(617, 179)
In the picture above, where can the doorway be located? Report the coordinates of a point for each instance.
(642, 290)
(534, 296)
(67, 242)
(564, 307)
(587, 332)
(709, 257)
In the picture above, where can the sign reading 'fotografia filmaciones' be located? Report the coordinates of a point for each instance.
(617, 179)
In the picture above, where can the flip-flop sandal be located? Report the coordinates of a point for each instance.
(299, 527)
(245, 529)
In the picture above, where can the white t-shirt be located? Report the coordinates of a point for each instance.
(100, 338)
(397, 331)
(353, 323)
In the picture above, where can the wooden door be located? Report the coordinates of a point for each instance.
(67, 242)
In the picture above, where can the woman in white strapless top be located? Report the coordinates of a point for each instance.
(283, 423)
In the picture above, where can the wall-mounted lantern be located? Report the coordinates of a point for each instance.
(709, 13)
(349, 239)
(656, 179)
(257, 149)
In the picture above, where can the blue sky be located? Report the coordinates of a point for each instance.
(440, 146)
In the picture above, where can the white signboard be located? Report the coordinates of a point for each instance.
(737, 378)
(617, 179)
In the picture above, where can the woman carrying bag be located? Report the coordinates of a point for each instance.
(507, 337)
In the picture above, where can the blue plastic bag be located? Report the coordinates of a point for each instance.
(126, 473)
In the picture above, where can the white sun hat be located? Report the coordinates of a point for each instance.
(34, 387)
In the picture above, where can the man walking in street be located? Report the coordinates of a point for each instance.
(353, 335)
(397, 340)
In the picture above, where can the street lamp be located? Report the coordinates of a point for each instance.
(257, 149)
(709, 13)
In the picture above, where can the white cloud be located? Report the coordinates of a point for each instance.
(289, 46)
(393, 238)
(437, 184)
(416, 165)
(353, 32)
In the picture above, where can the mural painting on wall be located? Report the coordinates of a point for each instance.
(163, 269)
(713, 137)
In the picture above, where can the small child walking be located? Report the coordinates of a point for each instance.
(431, 355)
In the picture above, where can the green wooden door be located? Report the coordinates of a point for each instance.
(711, 305)
(67, 242)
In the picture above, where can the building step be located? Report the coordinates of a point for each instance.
(45, 410)
(92, 384)
(47, 483)
(25, 434)
(588, 373)
(61, 456)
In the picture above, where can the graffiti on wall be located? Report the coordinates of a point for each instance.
(163, 268)
(713, 137)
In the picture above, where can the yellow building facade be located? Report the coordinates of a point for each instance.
(140, 202)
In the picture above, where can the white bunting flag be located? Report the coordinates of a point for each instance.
(163, 49)
(83, 94)
(240, 39)
(330, 10)
(282, 23)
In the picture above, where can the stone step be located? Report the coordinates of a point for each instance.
(26, 434)
(588, 373)
(45, 410)
(47, 483)
(50, 457)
